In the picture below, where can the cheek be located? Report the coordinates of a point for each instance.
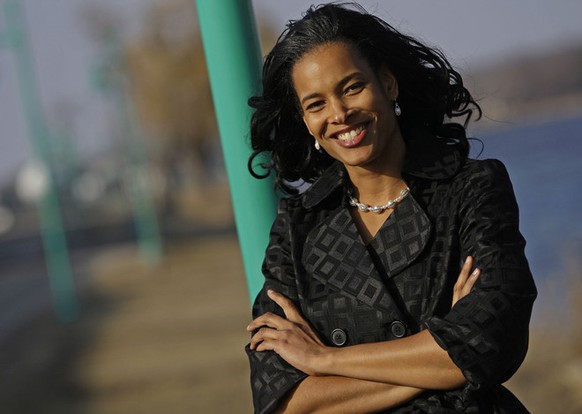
(314, 125)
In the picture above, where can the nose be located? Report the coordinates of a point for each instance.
(338, 111)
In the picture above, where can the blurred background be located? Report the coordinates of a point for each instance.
(121, 281)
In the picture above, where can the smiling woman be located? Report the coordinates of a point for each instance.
(345, 105)
(364, 308)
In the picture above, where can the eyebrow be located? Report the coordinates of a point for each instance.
(340, 85)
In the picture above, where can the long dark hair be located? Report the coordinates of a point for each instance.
(431, 92)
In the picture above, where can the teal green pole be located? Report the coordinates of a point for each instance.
(145, 214)
(233, 56)
(54, 242)
(117, 86)
(146, 219)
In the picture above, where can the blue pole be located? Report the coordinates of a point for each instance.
(233, 56)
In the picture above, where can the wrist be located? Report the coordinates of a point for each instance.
(326, 361)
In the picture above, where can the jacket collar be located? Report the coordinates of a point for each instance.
(332, 178)
(429, 159)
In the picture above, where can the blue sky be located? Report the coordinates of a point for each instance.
(470, 32)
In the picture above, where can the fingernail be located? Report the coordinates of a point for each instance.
(475, 272)
(270, 291)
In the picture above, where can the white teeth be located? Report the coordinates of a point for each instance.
(346, 136)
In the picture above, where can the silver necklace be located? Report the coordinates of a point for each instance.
(365, 208)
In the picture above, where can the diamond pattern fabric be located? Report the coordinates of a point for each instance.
(401, 282)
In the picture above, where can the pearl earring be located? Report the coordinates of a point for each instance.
(317, 146)
(397, 109)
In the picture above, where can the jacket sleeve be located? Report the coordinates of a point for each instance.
(271, 376)
(486, 332)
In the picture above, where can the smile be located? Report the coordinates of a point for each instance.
(350, 135)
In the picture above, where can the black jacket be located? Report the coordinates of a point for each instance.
(402, 281)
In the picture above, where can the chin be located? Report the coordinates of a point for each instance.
(356, 162)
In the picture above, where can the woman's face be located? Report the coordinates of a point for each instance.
(347, 107)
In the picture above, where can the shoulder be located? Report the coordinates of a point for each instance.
(471, 173)
(474, 182)
(487, 167)
(303, 212)
(487, 173)
(485, 185)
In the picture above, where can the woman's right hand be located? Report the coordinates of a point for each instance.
(465, 281)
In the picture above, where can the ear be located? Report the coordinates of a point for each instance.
(389, 83)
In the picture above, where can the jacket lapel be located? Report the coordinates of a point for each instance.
(335, 255)
(403, 237)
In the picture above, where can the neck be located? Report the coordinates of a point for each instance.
(377, 189)
(375, 186)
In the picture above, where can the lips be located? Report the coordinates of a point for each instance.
(352, 136)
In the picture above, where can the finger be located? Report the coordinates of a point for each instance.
(263, 334)
(293, 314)
(471, 281)
(289, 308)
(266, 346)
(465, 272)
(459, 288)
(268, 319)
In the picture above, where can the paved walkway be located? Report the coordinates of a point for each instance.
(158, 339)
(25, 289)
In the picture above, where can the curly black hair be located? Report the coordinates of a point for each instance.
(431, 92)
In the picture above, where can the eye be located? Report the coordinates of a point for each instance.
(354, 88)
(314, 106)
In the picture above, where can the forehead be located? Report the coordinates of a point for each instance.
(325, 63)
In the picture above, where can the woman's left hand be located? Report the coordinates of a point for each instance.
(291, 337)
(466, 280)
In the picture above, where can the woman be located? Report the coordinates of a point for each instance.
(360, 272)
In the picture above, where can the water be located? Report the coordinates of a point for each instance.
(545, 165)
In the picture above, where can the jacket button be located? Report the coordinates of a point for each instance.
(398, 329)
(338, 337)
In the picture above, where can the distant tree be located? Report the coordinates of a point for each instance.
(163, 69)
(171, 89)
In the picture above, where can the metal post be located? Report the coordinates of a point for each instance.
(145, 214)
(112, 79)
(54, 242)
(233, 57)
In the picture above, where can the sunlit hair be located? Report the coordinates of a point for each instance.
(431, 92)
